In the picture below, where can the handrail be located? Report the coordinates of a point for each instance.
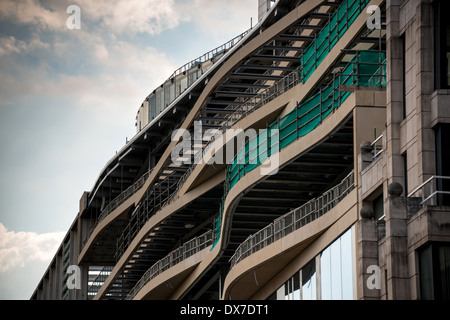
(374, 146)
(99, 280)
(294, 78)
(117, 201)
(360, 71)
(294, 220)
(190, 248)
(155, 199)
(433, 190)
(278, 88)
(210, 54)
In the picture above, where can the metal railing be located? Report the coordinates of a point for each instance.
(297, 76)
(99, 281)
(377, 149)
(294, 220)
(252, 104)
(210, 54)
(361, 70)
(117, 201)
(431, 189)
(176, 256)
(339, 22)
(155, 199)
(367, 68)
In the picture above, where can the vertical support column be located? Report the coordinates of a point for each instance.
(394, 92)
(396, 245)
(425, 89)
(367, 255)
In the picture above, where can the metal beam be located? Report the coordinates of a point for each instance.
(256, 76)
(274, 58)
(216, 110)
(244, 85)
(234, 94)
(262, 67)
(301, 49)
(292, 37)
(224, 102)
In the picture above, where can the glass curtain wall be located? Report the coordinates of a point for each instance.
(335, 268)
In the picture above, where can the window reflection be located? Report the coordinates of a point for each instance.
(337, 270)
(336, 274)
(309, 281)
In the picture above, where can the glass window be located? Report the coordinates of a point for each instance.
(296, 284)
(309, 281)
(444, 271)
(193, 74)
(325, 274)
(336, 270)
(159, 100)
(378, 207)
(336, 274)
(183, 84)
(287, 290)
(434, 269)
(152, 107)
(336, 267)
(347, 265)
(442, 44)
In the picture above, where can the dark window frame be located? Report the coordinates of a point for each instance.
(436, 272)
(441, 9)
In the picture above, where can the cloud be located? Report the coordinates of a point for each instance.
(31, 12)
(117, 16)
(150, 16)
(215, 18)
(15, 46)
(19, 248)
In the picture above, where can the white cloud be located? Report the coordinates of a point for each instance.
(12, 45)
(133, 16)
(32, 12)
(19, 248)
(216, 18)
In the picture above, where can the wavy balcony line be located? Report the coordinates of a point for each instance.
(166, 195)
(294, 220)
(176, 256)
(310, 59)
(367, 68)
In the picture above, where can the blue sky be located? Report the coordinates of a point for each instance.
(68, 101)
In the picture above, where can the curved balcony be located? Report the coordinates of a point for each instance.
(173, 259)
(294, 220)
(270, 261)
(310, 59)
(367, 68)
(232, 62)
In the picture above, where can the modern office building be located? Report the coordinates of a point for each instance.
(311, 161)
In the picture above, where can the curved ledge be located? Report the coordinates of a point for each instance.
(282, 104)
(286, 155)
(295, 149)
(117, 213)
(255, 271)
(222, 72)
(162, 286)
(153, 222)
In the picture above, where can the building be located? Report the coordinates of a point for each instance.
(337, 185)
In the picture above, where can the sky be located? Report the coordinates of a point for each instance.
(68, 102)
